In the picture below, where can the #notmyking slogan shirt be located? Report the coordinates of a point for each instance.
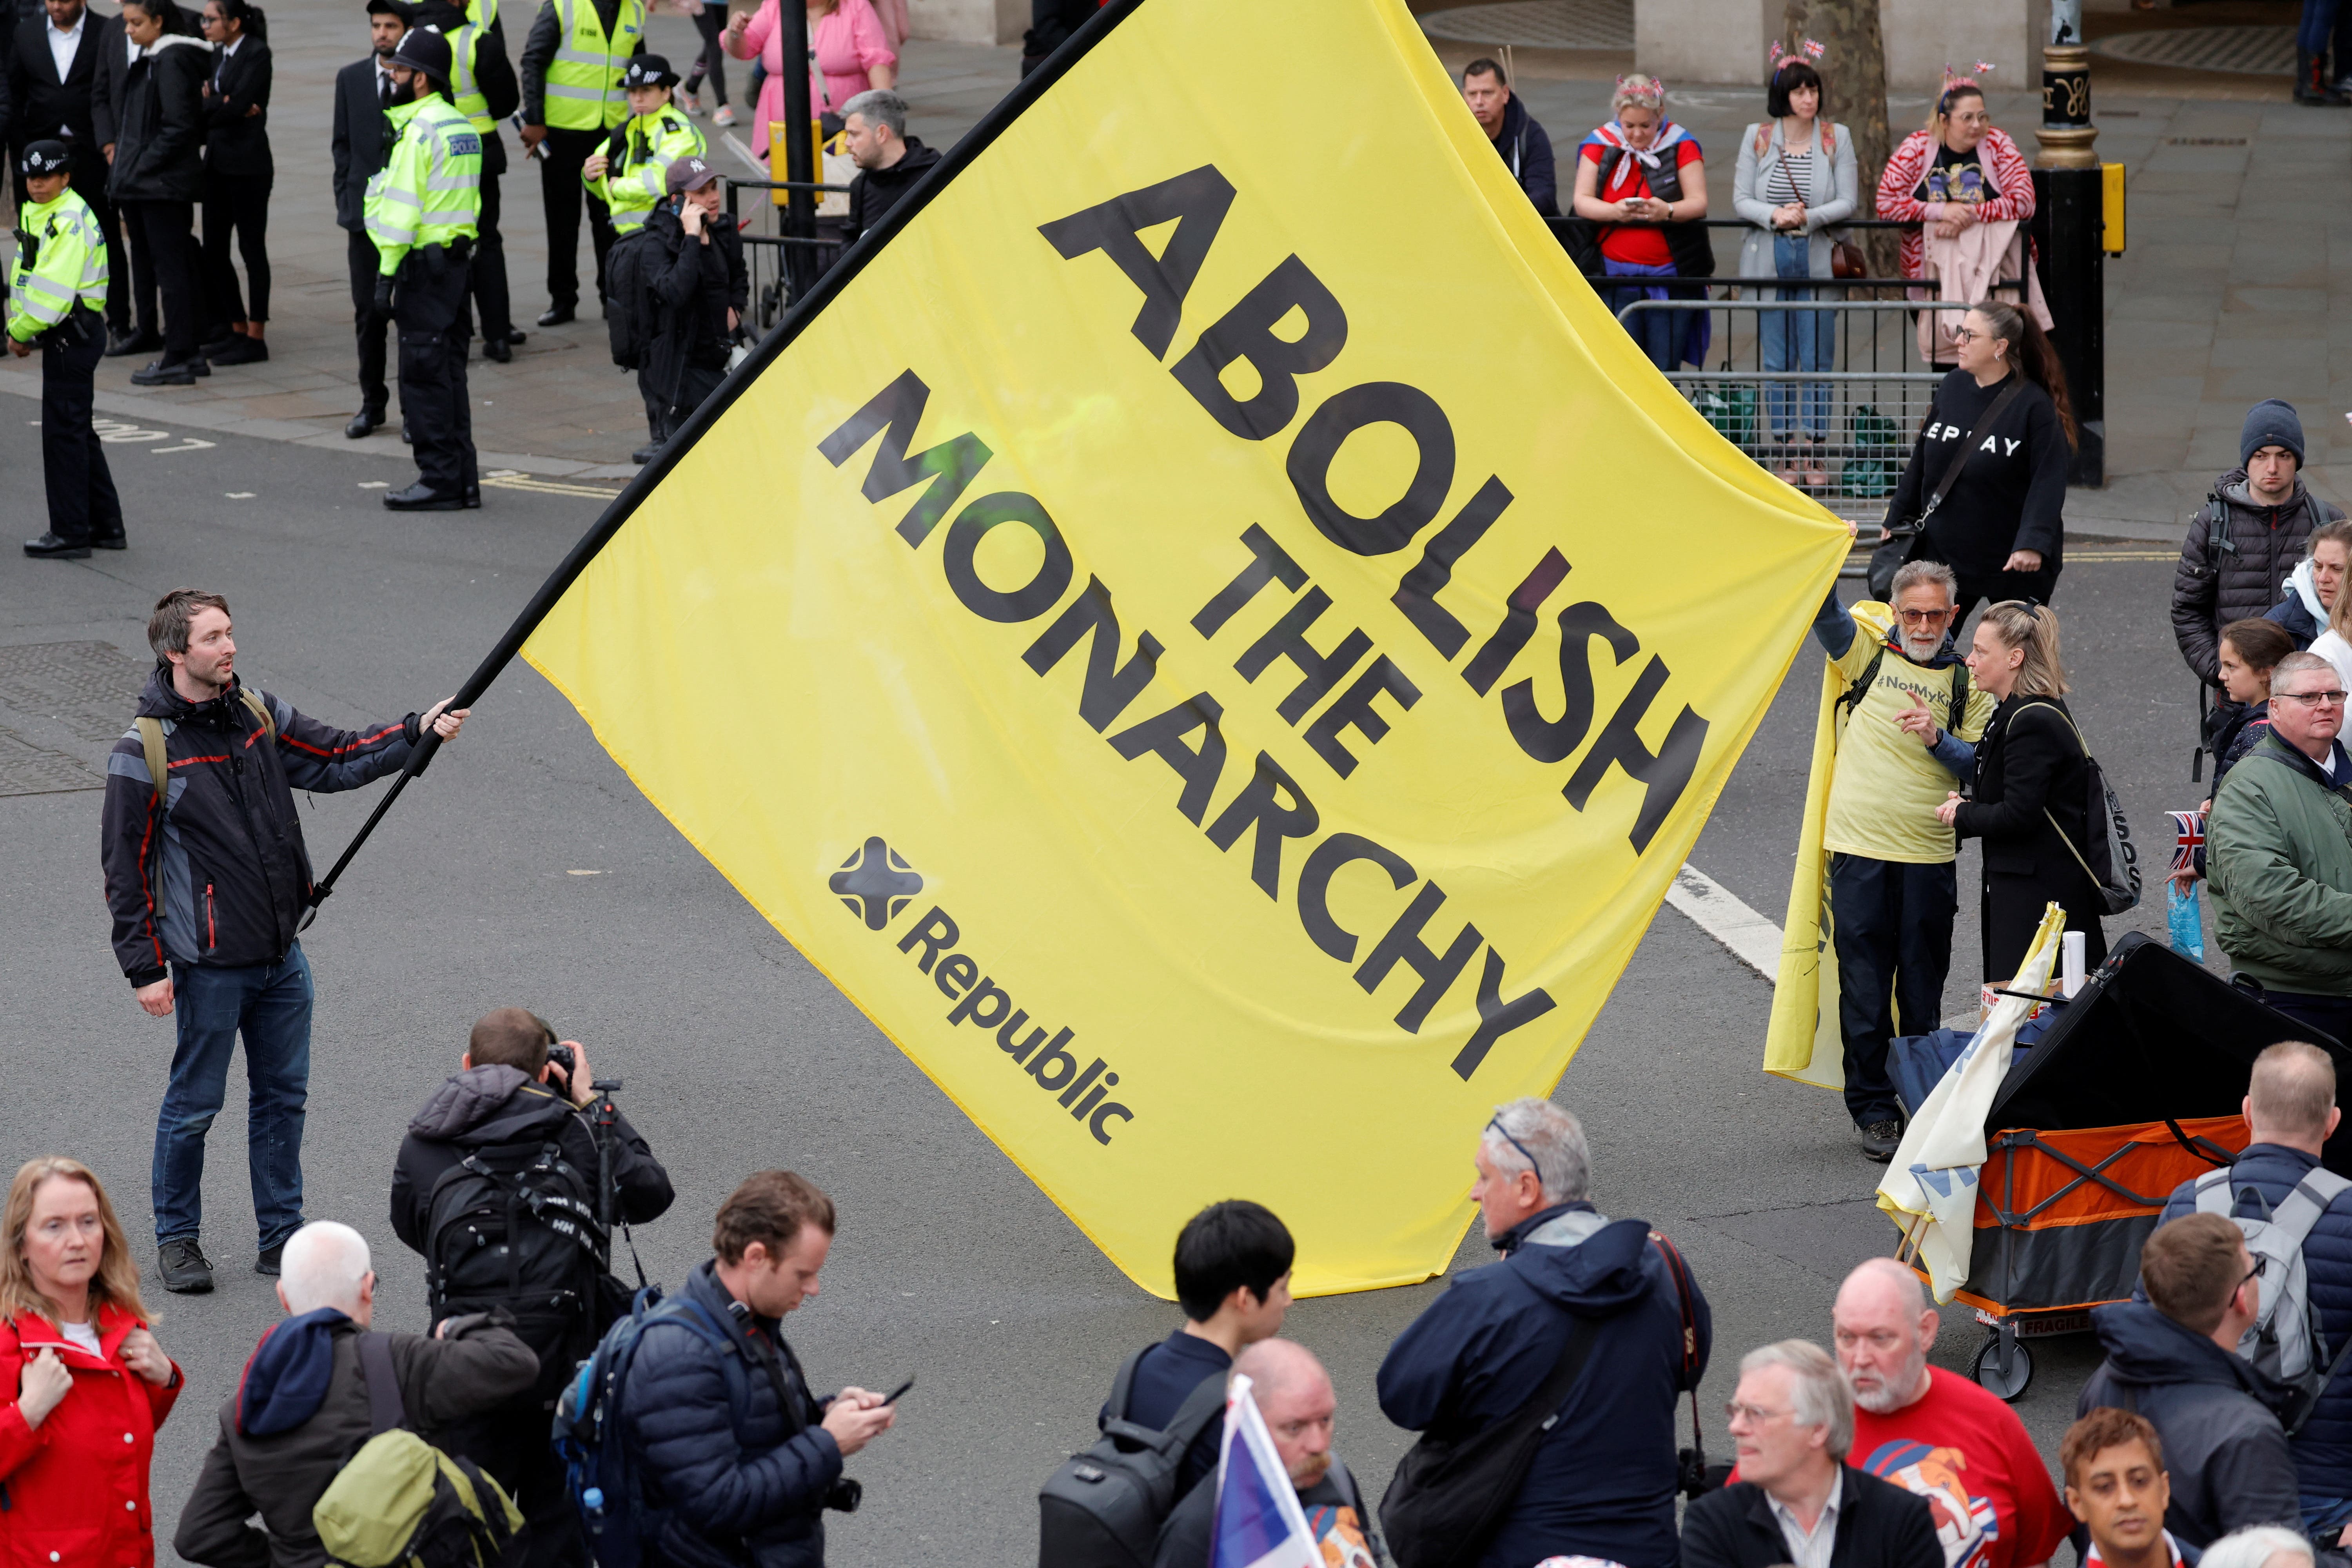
(1883, 795)
(1968, 1454)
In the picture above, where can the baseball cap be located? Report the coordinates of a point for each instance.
(690, 174)
(648, 70)
(45, 157)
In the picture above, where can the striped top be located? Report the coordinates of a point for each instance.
(1790, 179)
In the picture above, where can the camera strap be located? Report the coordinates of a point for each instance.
(1679, 1272)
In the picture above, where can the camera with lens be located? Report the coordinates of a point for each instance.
(565, 1061)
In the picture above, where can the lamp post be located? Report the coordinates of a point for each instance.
(2071, 193)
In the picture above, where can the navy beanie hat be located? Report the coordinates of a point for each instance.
(2270, 423)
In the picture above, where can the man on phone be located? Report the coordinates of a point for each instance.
(521, 1118)
(746, 1483)
(700, 288)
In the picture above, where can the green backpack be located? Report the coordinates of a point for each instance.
(400, 1502)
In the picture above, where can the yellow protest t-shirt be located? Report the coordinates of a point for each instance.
(1883, 797)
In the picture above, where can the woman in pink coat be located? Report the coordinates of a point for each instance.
(852, 52)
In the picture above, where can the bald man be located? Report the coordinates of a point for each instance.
(1294, 1395)
(300, 1407)
(1937, 1432)
(2291, 1110)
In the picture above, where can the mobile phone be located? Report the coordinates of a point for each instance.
(900, 1390)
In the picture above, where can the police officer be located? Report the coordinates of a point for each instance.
(56, 302)
(571, 102)
(421, 211)
(631, 173)
(482, 85)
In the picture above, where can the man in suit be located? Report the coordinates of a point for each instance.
(53, 60)
(364, 91)
(1798, 1500)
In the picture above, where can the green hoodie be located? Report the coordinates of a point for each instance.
(2279, 856)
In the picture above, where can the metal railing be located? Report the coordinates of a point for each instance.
(1841, 434)
(766, 248)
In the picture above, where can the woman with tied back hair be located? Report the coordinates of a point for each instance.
(2003, 414)
(83, 1385)
(1641, 177)
(2031, 803)
(1955, 173)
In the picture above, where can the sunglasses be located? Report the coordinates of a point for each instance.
(1495, 1124)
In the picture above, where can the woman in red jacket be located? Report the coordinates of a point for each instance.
(84, 1384)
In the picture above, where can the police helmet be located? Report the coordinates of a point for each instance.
(423, 49)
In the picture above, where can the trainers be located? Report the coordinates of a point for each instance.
(1881, 1138)
(186, 1271)
(269, 1260)
(691, 102)
(726, 115)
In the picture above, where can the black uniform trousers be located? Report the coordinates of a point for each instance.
(88, 167)
(1893, 922)
(238, 205)
(82, 503)
(560, 160)
(491, 303)
(163, 232)
(429, 308)
(359, 255)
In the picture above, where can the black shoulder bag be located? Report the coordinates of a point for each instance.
(1894, 548)
(1452, 1489)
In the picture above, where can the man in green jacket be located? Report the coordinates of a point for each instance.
(2279, 849)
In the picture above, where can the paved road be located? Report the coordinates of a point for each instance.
(525, 870)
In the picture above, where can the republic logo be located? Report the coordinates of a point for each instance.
(876, 883)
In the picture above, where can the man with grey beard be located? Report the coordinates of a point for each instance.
(1938, 1433)
(1908, 722)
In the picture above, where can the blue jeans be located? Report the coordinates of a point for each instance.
(270, 1003)
(2325, 1516)
(2318, 22)
(1796, 340)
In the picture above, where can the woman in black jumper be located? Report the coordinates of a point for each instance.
(239, 173)
(2027, 799)
(156, 173)
(1999, 527)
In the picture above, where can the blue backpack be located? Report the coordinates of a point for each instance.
(600, 1471)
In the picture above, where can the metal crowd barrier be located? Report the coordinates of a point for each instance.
(765, 247)
(1868, 407)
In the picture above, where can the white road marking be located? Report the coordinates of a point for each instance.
(1715, 909)
(190, 444)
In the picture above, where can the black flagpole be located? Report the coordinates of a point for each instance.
(961, 156)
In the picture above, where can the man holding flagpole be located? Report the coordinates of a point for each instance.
(1282, 1499)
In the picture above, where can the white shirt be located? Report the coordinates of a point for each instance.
(63, 45)
(1811, 1548)
(83, 1335)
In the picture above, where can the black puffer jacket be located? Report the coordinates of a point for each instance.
(159, 148)
(220, 875)
(2233, 558)
(491, 1107)
(736, 1493)
(694, 286)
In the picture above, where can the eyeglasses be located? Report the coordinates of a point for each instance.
(1926, 617)
(1495, 1124)
(1966, 334)
(1757, 1414)
(2311, 699)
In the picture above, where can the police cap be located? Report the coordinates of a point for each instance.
(649, 70)
(45, 157)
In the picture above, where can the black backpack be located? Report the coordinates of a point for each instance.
(1104, 1508)
(630, 315)
(515, 1225)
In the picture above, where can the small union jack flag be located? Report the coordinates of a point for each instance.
(2189, 836)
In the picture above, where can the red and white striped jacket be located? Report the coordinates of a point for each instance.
(2004, 163)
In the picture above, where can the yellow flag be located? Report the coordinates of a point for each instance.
(1212, 637)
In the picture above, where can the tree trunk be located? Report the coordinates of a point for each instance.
(1853, 72)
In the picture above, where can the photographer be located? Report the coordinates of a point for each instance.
(515, 1140)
